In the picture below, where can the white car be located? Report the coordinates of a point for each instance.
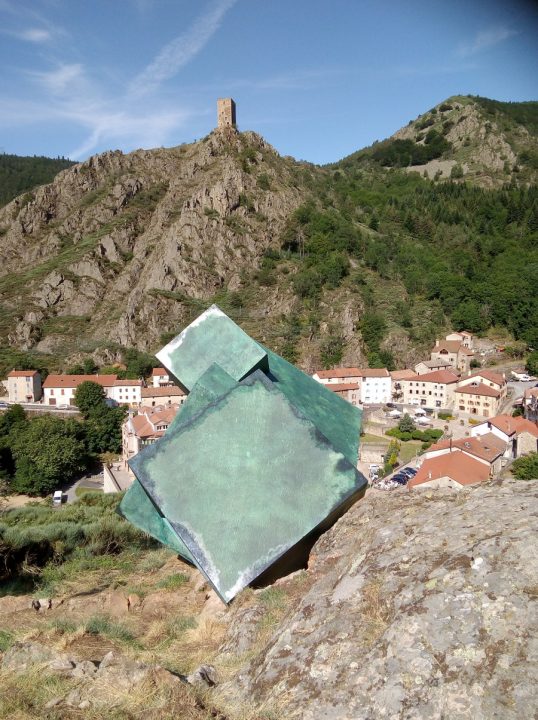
(58, 497)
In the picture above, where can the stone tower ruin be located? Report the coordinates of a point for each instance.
(225, 112)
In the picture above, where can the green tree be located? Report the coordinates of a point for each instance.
(89, 396)
(391, 456)
(48, 452)
(526, 467)
(332, 349)
(103, 429)
(372, 327)
(406, 424)
(531, 366)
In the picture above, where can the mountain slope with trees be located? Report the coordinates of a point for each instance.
(363, 261)
(21, 174)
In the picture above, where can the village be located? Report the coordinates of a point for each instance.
(444, 423)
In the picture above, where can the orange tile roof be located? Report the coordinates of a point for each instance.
(338, 373)
(374, 372)
(402, 374)
(531, 392)
(456, 465)
(71, 381)
(480, 389)
(170, 391)
(127, 383)
(493, 377)
(442, 377)
(148, 418)
(340, 387)
(22, 373)
(159, 372)
(451, 346)
(514, 425)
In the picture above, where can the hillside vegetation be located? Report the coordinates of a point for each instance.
(20, 174)
(363, 261)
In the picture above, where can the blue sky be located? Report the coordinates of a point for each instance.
(318, 79)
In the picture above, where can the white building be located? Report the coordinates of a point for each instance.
(370, 386)
(60, 389)
(161, 378)
(376, 386)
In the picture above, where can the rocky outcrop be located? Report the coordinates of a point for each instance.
(129, 240)
(422, 605)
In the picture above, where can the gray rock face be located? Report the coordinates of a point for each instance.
(423, 606)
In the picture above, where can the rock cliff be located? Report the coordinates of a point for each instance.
(419, 605)
(120, 248)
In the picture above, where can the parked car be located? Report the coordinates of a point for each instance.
(3, 405)
(400, 478)
(410, 472)
(58, 497)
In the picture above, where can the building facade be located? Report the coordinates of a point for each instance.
(60, 390)
(23, 386)
(453, 352)
(154, 396)
(432, 390)
(144, 428)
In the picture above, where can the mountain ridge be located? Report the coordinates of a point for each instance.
(123, 250)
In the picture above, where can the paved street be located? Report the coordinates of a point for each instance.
(92, 482)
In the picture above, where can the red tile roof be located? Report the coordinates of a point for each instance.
(144, 424)
(456, 465)
(127, 383)
(487, 447)
(441, 377)
(23, 373)
(434, 363)
(338, 373)
(513, 425)
(71, 381)
(172, 390)
(480, 389)
(340, 387)
(374, 372)
(159, 372)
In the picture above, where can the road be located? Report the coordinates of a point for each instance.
(92, 482)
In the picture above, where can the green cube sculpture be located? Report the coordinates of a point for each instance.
(259, 456)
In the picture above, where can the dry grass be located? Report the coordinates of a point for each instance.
(376, 612)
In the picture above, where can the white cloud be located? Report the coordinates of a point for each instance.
(486, 39)
(36, 35)
(181, 50)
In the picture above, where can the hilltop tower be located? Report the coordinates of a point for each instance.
(225, 112)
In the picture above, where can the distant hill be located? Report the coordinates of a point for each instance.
(483, 141)
(20, 174)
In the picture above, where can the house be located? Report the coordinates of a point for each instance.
(463, 337)
(161, 378)
(451, 470)
(520, 434)
(396, 376)
(338, 375)
(454, 352)
(376, 386)
(428, 366)
(23, 386)
(347, 391)
(530, 404)
(433, 390)
(144, 428)
(167, 395)
(60, 389)
(497, 381)
(477, 398)
(488, 449)
(373, 384)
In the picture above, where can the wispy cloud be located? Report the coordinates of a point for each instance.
(35, 35)
(181, 50)
(486, 39)
(60, 80)
(68, 93)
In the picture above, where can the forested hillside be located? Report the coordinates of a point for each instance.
(20, 174)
